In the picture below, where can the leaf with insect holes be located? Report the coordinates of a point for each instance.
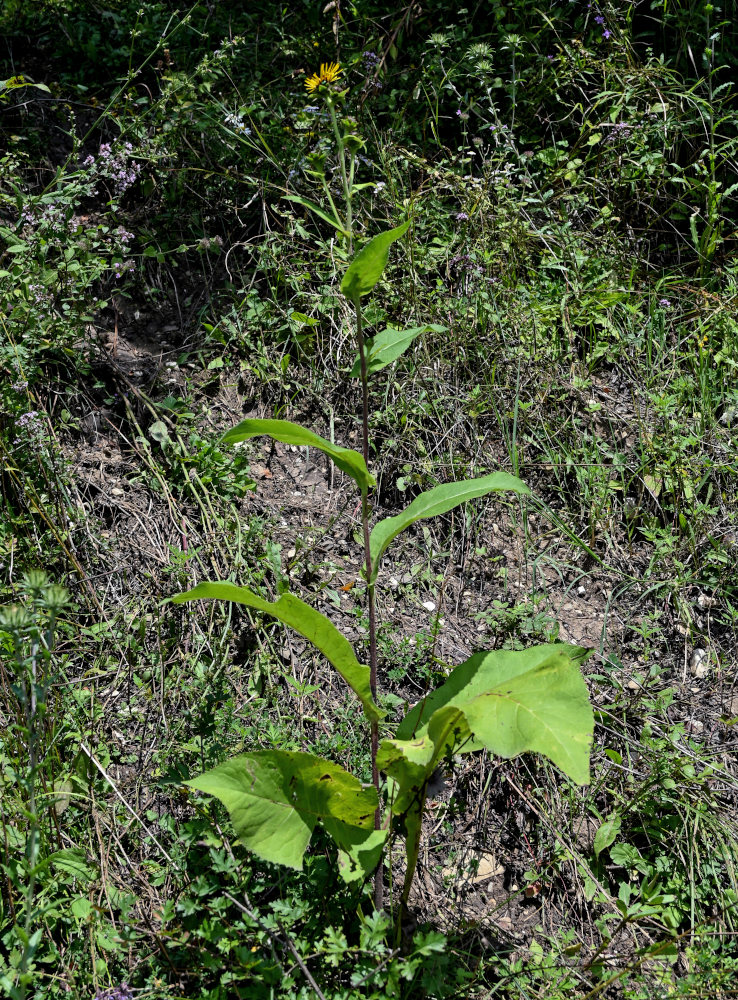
(439, 500)
(310, 624)
(367, 267)
(275, 798)
(347, 460)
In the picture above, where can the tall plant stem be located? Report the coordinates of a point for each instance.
(347, 185)
(378, 879)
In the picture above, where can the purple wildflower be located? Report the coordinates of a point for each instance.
(462, 217)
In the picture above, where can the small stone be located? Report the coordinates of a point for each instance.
(117, 492)
(695, 726)
(633, 686)
(429, 605)
(581, 590)
(699, 664)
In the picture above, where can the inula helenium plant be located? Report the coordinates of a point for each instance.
(505, 702)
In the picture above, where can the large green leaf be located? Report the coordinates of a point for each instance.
(276, 797)
(366, 268)
(439, 500)
(348, 461)
(389, 345)
(313, 626)
(508, 702)
(514, 701)
(359, 851)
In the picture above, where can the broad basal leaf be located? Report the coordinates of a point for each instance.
(366, 268)
(313, 626)
(515, 701)
(508, 702)
(389, 345)
(439, 500)
(276, 797)
(348, 461)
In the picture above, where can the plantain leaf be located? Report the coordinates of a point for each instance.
(437, 501)
(366, 268)
(348, 461)
(310, 624)
(317, 210)
(389, 345)
(275, 798)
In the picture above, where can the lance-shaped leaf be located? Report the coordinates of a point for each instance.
(276, 797)
(317, 210)
(389, 345)
(439, 500)
(366, 268)
(313, 626)
(348, 461)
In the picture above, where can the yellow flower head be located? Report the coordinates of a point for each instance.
(328, 73)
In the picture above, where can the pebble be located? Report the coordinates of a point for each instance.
(429, 605)
(699, 664)
(581, 590)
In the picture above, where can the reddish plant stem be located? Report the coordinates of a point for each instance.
(379, 876)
